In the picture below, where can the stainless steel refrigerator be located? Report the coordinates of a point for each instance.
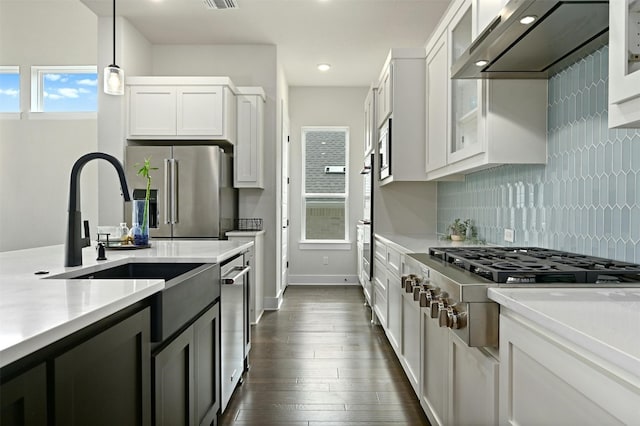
(192, 194)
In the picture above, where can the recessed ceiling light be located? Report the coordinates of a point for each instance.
(324, 67)
(481, 63)
(528, 19)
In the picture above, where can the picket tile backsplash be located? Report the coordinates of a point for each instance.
(585, 200)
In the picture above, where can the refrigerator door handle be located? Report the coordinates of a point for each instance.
(174, 191)
(167, 194)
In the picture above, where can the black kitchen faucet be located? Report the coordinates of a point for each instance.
(75, 242)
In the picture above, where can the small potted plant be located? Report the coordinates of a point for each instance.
(459, 228)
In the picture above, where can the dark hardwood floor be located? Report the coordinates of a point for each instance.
(319, 362)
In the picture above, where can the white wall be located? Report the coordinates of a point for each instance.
(405, 208)
(36, 155)
(247, 65)
(133, 55)
(326, 106)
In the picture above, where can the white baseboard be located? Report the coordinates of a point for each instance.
(323, 279)
(273, 303)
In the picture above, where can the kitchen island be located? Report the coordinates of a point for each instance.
(94, 345)
(37, 310)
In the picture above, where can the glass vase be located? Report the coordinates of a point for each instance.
(140, 222)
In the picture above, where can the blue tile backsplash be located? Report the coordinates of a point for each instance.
(585, 200)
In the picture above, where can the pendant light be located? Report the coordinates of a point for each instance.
(113, 74)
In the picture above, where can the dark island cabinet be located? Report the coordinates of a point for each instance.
(206, 331)
(23, 399)
(186, 374)
(106, 379)
(100, 375)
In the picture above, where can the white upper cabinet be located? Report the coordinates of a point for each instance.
(624, 63)
(194, 108)
(369, 121)
(437, 103)
(385, 94)
(249, 148)
(476, 124)
(400, 105)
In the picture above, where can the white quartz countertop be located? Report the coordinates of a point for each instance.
(419, 243)
(36, 311)
(603, 321)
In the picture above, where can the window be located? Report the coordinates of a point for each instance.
(64, 89)
(9, 89)
(325, 177)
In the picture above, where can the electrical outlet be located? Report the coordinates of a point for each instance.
(509, 235)
(325, 260)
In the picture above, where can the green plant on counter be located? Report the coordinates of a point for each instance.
(145, 172)
(461, 229)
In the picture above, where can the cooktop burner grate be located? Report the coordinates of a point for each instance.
(520, 264)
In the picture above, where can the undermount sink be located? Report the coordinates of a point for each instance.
(189, 289)
(141, 271)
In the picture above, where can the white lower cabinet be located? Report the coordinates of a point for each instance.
(434, 359)
(459, 383)
(473, 385)
(380, 293)
(411, 340)
(545, 380)
(394, 319)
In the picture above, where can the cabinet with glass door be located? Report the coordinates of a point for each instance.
(487, 122)
(624, 63)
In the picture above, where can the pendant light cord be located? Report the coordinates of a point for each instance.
(114, 32)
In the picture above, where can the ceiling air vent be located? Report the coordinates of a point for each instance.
(221, 4)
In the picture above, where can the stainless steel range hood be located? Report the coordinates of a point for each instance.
(562, 32)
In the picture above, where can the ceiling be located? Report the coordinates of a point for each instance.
(354, 36)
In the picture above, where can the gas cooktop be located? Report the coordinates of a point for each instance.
(523, 265)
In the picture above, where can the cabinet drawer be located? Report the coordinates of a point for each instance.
(381, 251)
(394, 261)
(380, 276)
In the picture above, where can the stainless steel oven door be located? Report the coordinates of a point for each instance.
(384, 151)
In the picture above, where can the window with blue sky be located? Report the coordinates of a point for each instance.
(9, 89)
(64, 89)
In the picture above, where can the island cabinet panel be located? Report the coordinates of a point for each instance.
(23, 399)
(573, 386)
(206, 333)
(174, 382)
(186, 374)
(106, 379)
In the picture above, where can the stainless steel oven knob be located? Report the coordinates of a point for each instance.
(416, 293)
(410, 285)
(456, 319)
(424, 303)
(443, 317)
(405, 278)
(432, 296)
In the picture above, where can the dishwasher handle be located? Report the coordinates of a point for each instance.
(234, 273)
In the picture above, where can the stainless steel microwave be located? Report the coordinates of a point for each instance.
(384, 151)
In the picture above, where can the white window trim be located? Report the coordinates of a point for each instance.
(37, 87)
(343, 244)
(13, 69)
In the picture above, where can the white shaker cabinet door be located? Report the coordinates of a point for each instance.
(437, 105)
(152, 111)
(200, 110)
(473, 385)
(545, 380)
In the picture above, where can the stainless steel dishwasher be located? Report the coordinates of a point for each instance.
(233, 323)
